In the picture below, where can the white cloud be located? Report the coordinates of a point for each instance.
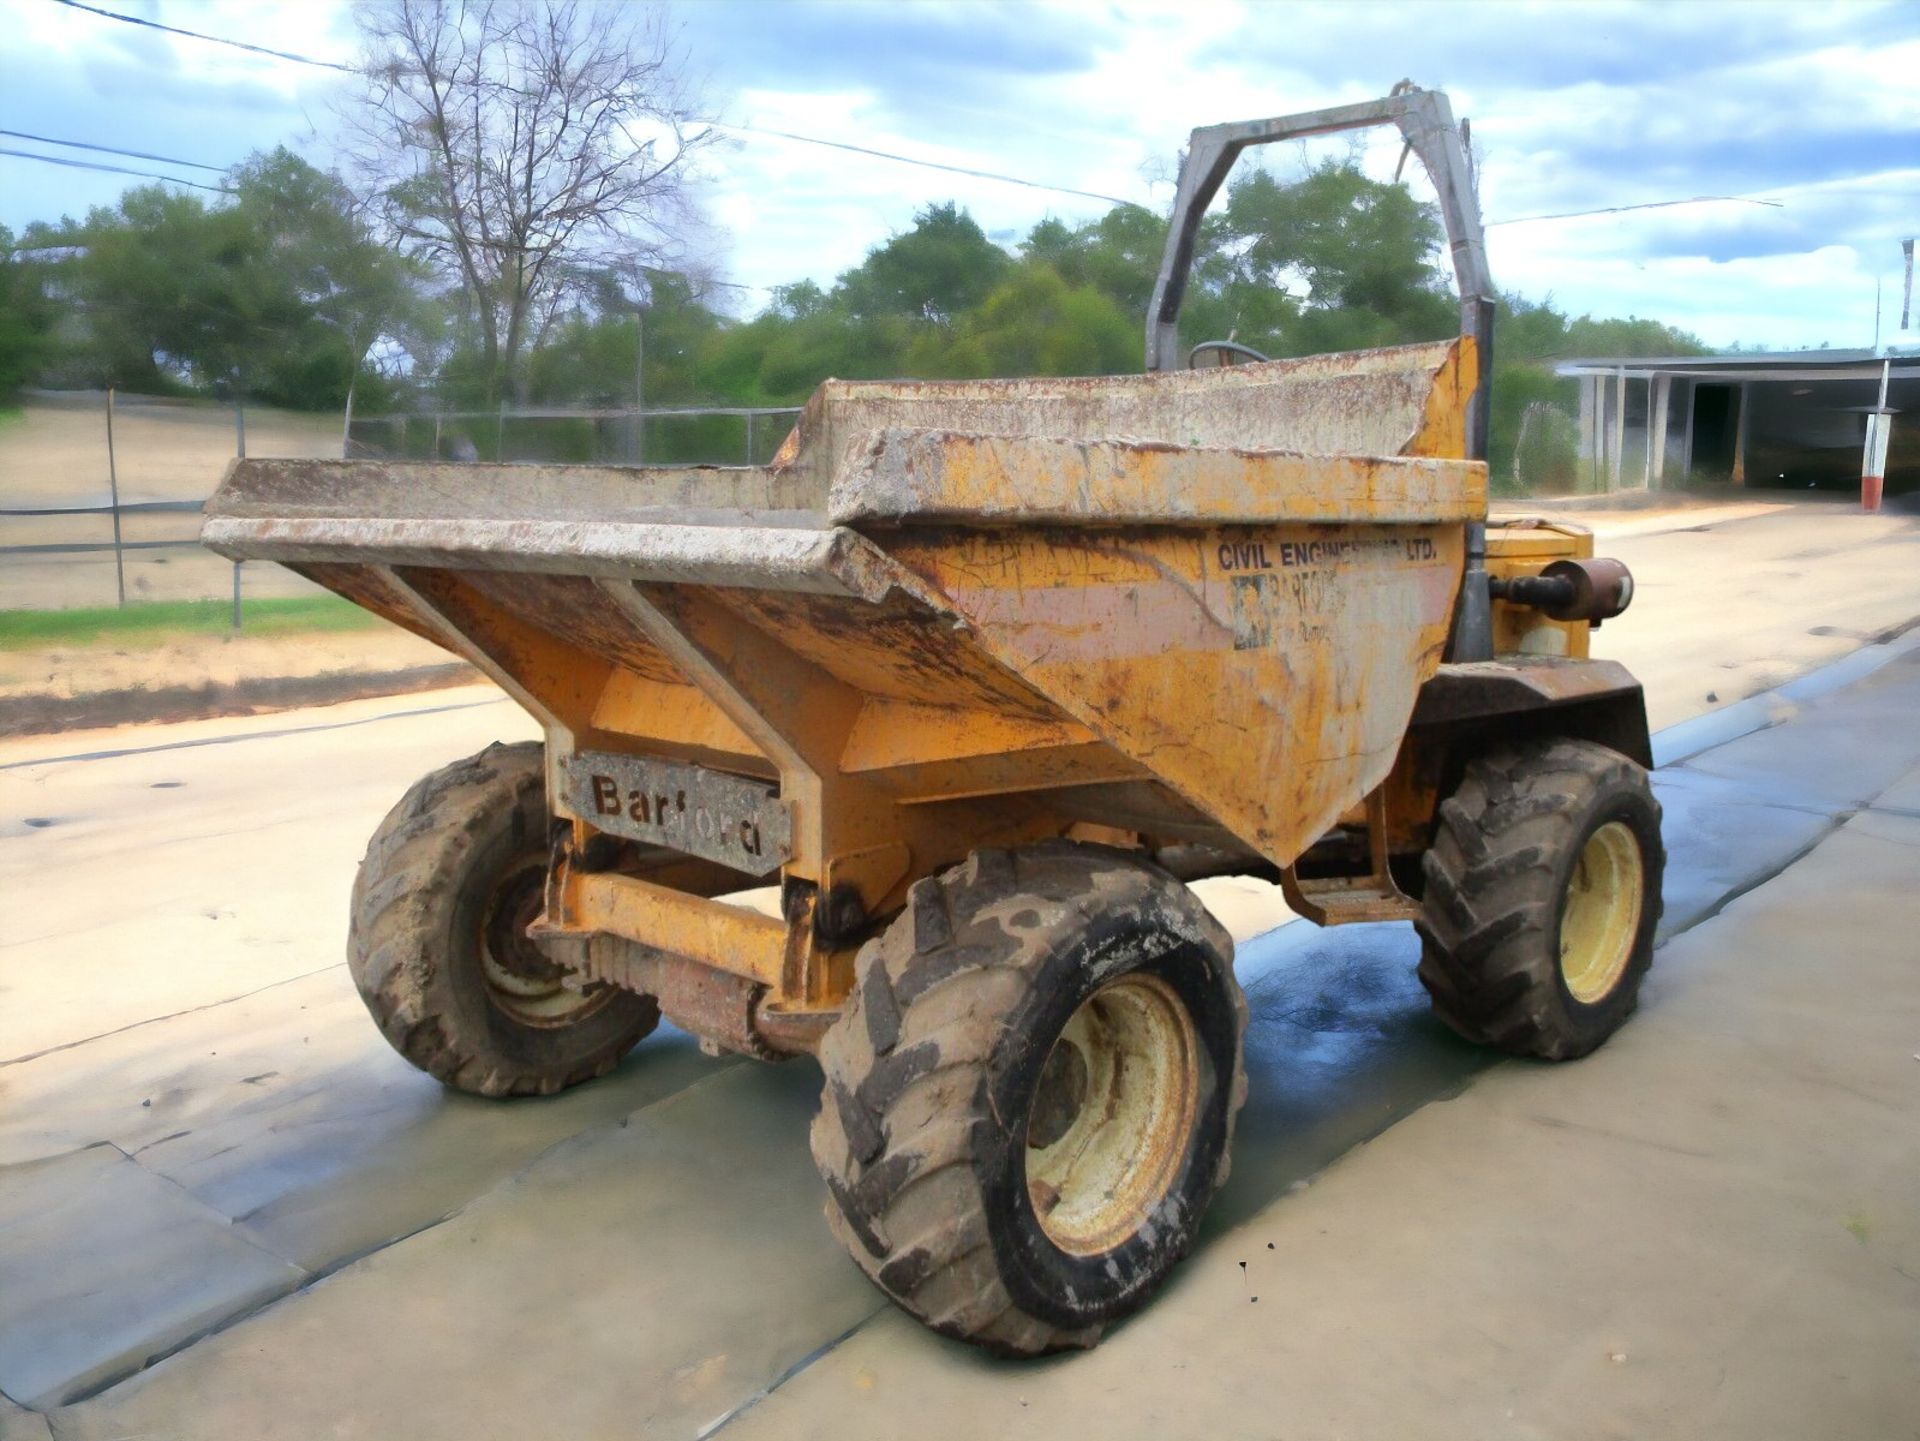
(1575, 106)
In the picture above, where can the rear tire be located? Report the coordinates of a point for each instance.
(1543, 892)
(1029, 1100)
(438, 943)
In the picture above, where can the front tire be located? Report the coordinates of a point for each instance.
(1543, 894)
(1030, 1098)
(438, 943)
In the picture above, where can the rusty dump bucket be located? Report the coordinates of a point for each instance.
(1196, 605)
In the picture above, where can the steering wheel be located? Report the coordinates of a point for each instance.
(1228, 352)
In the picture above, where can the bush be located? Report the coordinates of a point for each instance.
(1546, 454)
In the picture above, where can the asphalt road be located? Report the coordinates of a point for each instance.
(226, 1209)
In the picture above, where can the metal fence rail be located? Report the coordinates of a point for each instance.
(151, 445)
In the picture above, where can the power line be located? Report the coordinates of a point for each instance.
(748, 129)
(1117, 200)
(924, 164)
(211, 39)
(111, 169)
(1644, 205)
(110, 150)
(841, 145)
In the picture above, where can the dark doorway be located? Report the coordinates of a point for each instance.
(1716, 428)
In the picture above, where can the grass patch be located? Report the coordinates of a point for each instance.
(160, 621)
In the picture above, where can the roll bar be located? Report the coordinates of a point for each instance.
(1425, 121)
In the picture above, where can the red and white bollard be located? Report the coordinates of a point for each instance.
(1873, 463)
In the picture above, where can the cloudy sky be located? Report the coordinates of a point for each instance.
(1575, 106)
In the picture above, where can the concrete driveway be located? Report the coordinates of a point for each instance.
(226, 1209)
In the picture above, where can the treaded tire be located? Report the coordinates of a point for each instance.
(931, 1072)
(423, 906)
(1498, 877)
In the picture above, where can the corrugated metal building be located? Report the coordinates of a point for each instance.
(1794, 418)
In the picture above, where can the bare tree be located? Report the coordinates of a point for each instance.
(519, 144)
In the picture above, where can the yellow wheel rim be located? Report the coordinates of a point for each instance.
(1113, 1115)
(1600, 918)
(519, 978)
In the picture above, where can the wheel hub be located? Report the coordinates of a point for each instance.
(1113, 1114)
(1600, 916)
(520, 977)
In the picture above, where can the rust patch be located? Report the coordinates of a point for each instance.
(1368, 402)
(573, 606)
(369, 589)
(897, 649)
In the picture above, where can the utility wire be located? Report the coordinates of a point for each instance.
(924, 164)
(1644, 205)
(110, 150)
(748, 129)
(111, 169)
(734, 285)
(842, 145)
(213, 39)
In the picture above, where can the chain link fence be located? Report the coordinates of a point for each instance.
(100, 497)
(101, 493)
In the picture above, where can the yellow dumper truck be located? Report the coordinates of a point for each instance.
(977, 674)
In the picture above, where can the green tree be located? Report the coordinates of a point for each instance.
(279, 290)
(1118, 254)
(1630, 337)
(588, 355)
(942, 267)
(1529, 338)
(1359, 260)
(319, 287)
(1035, 323)
(155, 281)
(26, 319)
(898, 313)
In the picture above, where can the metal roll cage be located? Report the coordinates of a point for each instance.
(1426, 124)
